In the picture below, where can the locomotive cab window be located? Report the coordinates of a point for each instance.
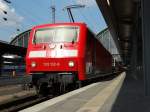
(57, 34)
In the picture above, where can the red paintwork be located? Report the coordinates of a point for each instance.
(85, 54)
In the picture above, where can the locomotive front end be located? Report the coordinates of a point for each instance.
(53, 53)
(53, 49)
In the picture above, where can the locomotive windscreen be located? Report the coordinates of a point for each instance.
(56, 34)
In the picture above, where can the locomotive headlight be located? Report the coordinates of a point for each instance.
(33, 64)
(71, 64)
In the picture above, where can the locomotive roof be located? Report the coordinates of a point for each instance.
(53, 24)
(66, 23)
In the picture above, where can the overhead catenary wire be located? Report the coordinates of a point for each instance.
(29, 16)
(8, 19)
(91, 16)
(33, 17)
(5, 20)
(41, 6)
(85, 17)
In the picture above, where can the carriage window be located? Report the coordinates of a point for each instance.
(57, 34)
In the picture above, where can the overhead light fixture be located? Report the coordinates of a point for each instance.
(7, 62)
(9, 56)
(5, 19)
(108, 2)
(5, 12)
(7, 1)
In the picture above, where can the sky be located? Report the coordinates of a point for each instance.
(24, 14)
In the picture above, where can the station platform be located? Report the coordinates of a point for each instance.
(92, 98)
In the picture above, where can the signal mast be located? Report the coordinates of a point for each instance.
(53, 11)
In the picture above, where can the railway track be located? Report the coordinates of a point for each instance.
(21, 103)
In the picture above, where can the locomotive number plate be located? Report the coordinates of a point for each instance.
(53, 64)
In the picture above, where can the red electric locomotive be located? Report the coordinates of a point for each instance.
(65, 53)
